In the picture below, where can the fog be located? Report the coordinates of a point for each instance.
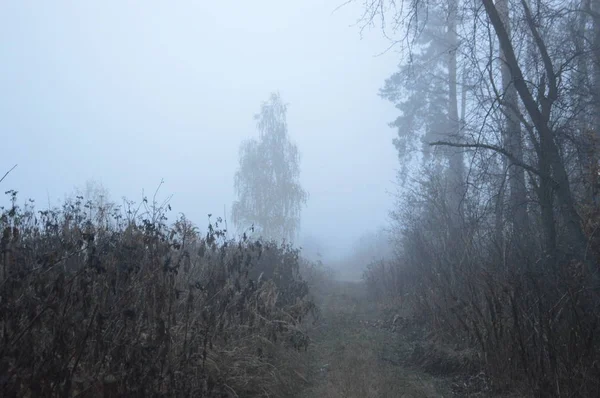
(445, 190)
(129, 93)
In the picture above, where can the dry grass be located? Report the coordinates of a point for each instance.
(356, 370)
(124, 305)
(532, 333)
(350, 355)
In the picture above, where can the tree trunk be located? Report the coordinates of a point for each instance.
(595, 137)
(595, 4)
(513, 141)
(456, 162)
(586, 136)
(548, 153)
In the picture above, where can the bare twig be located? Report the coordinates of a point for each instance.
(5, 174)
(494, 148)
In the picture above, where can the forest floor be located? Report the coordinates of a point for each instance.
(360, 349)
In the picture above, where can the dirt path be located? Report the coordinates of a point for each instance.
(355, 354)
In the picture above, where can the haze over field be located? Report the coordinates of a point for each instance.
(440, 170)
(129, 94)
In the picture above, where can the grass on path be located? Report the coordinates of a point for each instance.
(351, 354)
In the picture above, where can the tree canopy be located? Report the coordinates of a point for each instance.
(269, 195)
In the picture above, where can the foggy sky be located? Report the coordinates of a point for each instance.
(131, 92)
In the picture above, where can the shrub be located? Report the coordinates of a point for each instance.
(529, 324)
(131, 306)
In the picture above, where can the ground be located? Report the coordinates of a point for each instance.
(358, 351)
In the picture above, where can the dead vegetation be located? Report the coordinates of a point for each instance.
(353, 351)
(98, 301)
(497, 323)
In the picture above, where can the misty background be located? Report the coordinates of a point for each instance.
(127, 94)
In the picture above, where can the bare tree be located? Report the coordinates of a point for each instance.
(522, 282)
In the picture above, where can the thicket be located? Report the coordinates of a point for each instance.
(497, 226)
(531, 323)
(115, 301)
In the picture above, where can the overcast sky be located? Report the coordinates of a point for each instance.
(132, 92)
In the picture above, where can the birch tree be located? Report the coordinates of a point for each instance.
(269, 195)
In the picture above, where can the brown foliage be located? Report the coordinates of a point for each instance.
(134, 307)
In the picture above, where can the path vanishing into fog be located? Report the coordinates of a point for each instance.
(358, 351)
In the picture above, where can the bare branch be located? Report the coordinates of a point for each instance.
(553, 89)
(5, 174)
(497, 149)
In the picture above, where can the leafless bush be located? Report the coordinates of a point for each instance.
(131, 306)
(382, 279)
(531, 325)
